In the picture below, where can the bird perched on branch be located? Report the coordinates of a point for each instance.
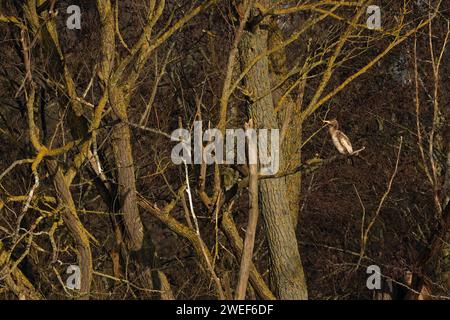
(340, 140)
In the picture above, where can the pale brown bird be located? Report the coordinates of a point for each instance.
(340, 140)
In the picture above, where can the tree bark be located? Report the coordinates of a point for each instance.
(250, 233)
(15, 280)
(286, 271)
(138, 241)
(288, 116)
(76, 228)
(256, 280)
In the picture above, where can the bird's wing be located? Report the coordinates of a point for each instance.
(345, 142)
(337, 143)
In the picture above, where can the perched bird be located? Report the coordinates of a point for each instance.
(340, 140)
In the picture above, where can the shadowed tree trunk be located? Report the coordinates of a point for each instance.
(125, 174)
(142, 255)
(76, 228)
(15, 279)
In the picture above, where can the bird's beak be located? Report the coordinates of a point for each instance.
(326, 121)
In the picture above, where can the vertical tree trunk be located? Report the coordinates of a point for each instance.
(286, 271)
(288, 114)
(139, 244)
(127, 186)
(250, 233)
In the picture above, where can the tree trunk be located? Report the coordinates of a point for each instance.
(288, 114)
(286, 271)
(139, 242)
(76, 228)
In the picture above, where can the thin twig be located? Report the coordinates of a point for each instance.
(380, 205)
(197, 231)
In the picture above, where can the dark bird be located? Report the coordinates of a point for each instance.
(340, 140)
